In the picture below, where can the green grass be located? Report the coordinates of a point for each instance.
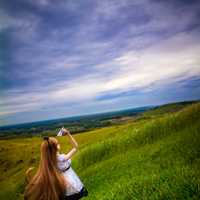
(157, 158)
(167, 108)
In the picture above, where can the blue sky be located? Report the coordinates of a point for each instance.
(64, 58)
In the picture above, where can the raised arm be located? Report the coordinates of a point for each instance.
(72, 142)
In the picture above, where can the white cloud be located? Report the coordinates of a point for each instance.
(171, 60)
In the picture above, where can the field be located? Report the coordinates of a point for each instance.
(156, 157)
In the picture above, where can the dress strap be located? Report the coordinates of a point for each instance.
(64, 170)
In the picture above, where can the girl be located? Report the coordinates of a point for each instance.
(55, 179)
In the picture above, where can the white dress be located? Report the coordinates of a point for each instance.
(72, 178)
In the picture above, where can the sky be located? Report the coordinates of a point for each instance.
(66, 58)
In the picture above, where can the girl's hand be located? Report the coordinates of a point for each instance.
(65, 131)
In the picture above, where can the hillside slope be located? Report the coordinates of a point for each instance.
(154, 159)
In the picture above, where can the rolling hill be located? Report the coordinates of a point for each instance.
(154, 158)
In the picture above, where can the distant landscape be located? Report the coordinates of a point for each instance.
(84, 123)
(147, 153)
(74, 124)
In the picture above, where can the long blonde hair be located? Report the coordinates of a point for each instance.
(48, 182)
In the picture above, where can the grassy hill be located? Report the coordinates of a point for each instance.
(158, 158)
(167, 108)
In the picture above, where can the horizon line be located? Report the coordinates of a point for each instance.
(95, 113)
